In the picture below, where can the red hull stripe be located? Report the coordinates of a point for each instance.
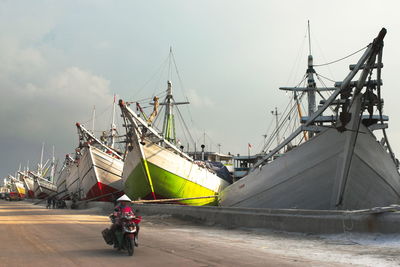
(31, 194)
(100, 189)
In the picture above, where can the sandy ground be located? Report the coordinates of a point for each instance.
(30, 235)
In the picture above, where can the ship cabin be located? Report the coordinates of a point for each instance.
(242, 165)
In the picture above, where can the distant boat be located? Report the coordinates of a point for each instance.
(43, 188)
(43, 177)
(340, 164)
(155, 168)
(28, 183)
(17, 189)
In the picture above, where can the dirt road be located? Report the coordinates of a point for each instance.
(31, 235)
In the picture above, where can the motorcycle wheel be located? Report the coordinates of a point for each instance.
(129, 245)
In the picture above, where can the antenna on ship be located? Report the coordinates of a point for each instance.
(17, 173)
(93, 117)
(40, 171)
(309, 37)
(52, 171)
(113, 127)
(265, 138)
(311, 85)
(276, 114)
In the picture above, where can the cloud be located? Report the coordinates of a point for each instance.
(54, 101)
(199, 101)
(41, 100)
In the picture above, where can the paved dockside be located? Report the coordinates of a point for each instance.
(31, 235)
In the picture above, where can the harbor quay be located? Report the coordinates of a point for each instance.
(33, 235)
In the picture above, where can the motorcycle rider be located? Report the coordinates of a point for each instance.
(121, 209)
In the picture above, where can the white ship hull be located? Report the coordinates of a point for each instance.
(99, 175)
(18, 188)
(29, 186)
(43, 188)
(62, 191)
(72, 179)
(172, 176)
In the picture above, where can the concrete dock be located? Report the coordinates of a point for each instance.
(31, 235)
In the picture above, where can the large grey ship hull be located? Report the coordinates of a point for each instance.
(290, 181)
(342, 165)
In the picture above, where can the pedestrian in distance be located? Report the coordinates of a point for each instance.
(48, 203)
(54, 202)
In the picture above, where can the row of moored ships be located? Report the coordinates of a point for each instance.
(338, 164)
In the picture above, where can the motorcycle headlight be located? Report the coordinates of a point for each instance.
(129, 217)
(130, 228)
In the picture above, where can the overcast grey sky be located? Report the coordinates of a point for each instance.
(59, 58)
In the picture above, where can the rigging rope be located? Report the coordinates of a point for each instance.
(187, 129)
(274, 134)
(160, 95)
(322, 82)
(181, 84)
(340, 59)
(295, 67)
(107, 108)
(160, 68)
(318, 74)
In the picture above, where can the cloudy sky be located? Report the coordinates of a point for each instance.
(58, 59)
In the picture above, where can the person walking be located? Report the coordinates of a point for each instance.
(54, 202)
(48, 203)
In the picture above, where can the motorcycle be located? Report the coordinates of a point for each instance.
(124, 237)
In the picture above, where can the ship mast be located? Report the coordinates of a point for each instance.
(113, 127)
(169, 120)
(311, 85)
(349, 92)
(276, 114)
(53, 170)
(93, 117)
(168, 131)
(40, 171)
(310, 89)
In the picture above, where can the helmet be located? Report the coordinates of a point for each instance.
(124, 198)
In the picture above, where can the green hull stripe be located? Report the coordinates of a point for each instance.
(146, 168)
(167, 185)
